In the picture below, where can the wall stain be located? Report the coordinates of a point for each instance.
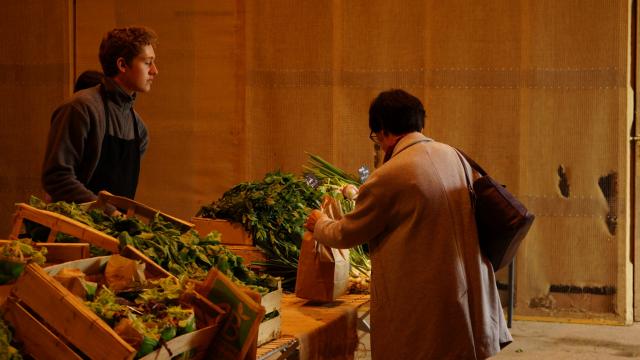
(546, 301)
(573, 289)
(563, 183)
(609, 187)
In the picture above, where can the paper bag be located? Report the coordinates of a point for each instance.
(323, 272)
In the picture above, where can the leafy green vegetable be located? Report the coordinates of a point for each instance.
(333, 182)
(182, 253)
(157, 313)
(15, 255)
(106, 307)
(22, 251)
(7, 352)
(273, 211)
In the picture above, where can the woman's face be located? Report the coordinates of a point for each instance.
(386, 140)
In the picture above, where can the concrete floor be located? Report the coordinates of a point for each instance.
(544, 340)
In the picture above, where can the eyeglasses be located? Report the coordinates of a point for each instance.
(373, 137)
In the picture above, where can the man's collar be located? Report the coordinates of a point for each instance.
(116, 94)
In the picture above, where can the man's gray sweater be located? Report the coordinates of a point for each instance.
(75, 139)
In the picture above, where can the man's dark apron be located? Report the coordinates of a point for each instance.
(119, 165)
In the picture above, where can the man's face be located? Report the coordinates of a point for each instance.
(138, 76)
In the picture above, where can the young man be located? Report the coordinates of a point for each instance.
(433, 294)
(96, 139)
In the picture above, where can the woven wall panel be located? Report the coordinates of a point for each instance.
(34, 77)
(536, 91)
(533, 90)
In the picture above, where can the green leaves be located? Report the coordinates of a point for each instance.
(179, 251)
(273, 211)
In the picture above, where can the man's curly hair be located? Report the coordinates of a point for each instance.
(124, 43)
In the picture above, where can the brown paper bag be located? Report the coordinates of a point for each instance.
(323, 272)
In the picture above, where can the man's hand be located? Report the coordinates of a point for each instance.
(117, 213)
(312, 219)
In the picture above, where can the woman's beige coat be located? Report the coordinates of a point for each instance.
(433, 295)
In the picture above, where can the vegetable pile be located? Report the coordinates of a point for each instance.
(182, 253)
(15, 255)
(147, 316)
(273, 212)
(7, 352)
(344, 188)
(22, 251)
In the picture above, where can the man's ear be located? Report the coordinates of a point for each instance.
(121, 63)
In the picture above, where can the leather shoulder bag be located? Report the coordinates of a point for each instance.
(502, 220)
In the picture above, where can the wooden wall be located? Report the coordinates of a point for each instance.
(36, 40)
(539, 92)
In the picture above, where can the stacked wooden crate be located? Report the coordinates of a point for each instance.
(60, 224)
(52, 323)
(236, 239)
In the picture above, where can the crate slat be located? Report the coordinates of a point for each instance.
(38, 341)
(269, 330)
(60, 223)
(198, 340)
(133, 208)
(59, 252)
(248, 253)
(66, 313)
(273, 300)
(232, 233)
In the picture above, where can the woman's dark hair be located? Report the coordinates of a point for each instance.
(397, 112)
(88, 79)
(124, 43)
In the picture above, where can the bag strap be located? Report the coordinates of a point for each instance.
(473, 164)
(467, 176)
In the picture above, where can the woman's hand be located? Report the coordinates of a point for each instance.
(312, 219)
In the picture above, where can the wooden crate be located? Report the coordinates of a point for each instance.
(56, 253)
(232, 233)
(131, 208)
(270, 329)
(249, 254)
(60, 318)
(61, 224)
(59, 252)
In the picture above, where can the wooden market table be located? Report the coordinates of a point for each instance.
(317, 330)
